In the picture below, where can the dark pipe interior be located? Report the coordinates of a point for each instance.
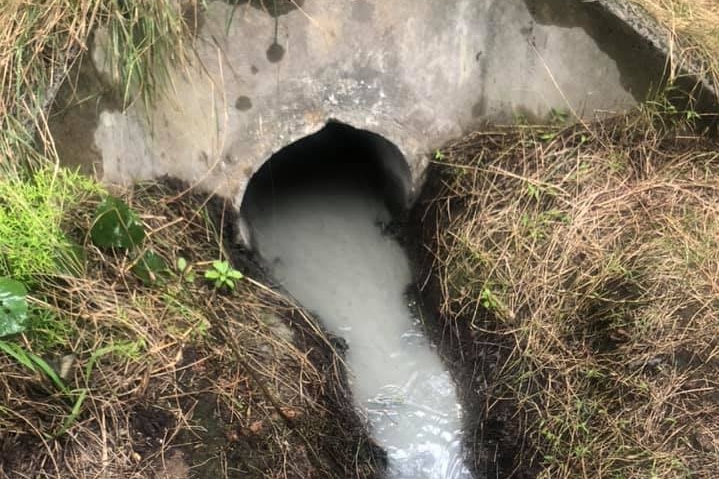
(338, 153)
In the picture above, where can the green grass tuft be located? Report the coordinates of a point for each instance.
(145, 39)
(33, 242)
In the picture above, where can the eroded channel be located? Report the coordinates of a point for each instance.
(321, 221)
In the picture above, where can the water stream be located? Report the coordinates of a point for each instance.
(324, 241)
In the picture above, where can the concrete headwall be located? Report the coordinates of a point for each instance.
(416, 73)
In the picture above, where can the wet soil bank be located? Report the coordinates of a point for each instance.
(472, 348)
(581, 240)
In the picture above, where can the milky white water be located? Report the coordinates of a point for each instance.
(324, 244)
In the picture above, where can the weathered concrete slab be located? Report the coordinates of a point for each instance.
(680, 63)
(417, 73)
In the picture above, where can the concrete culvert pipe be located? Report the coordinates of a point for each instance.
(417, 73)
(337, 152)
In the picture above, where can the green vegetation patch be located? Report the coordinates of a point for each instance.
(116, 225)
(169, 353)
(33, 210)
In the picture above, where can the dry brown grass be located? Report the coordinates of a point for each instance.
(39, 41)
(595, 255)
(158, 371)
(693, 28)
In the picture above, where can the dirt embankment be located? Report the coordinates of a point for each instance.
(574, 272)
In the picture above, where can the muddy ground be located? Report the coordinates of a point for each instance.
(260, 392)
(247, 384)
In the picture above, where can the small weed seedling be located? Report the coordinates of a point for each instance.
(185, 270)
(558, 117)
(488, 299)
(223, 275)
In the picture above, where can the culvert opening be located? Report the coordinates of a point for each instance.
(338, 153)
(320, 214)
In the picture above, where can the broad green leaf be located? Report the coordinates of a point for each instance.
(150, 268)
(234, 274)
(116, 225)
(13, 307)
(212, 274)
(221, 266)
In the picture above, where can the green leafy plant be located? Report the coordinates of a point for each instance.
(74, 413)
(185, 270)
(533, 191)
(150, 268)
(36, 364)
(520, 118)
(223, 275)
(33, 362)
(116, 225)
(488, 299)
(558, 117)
(13, 307)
